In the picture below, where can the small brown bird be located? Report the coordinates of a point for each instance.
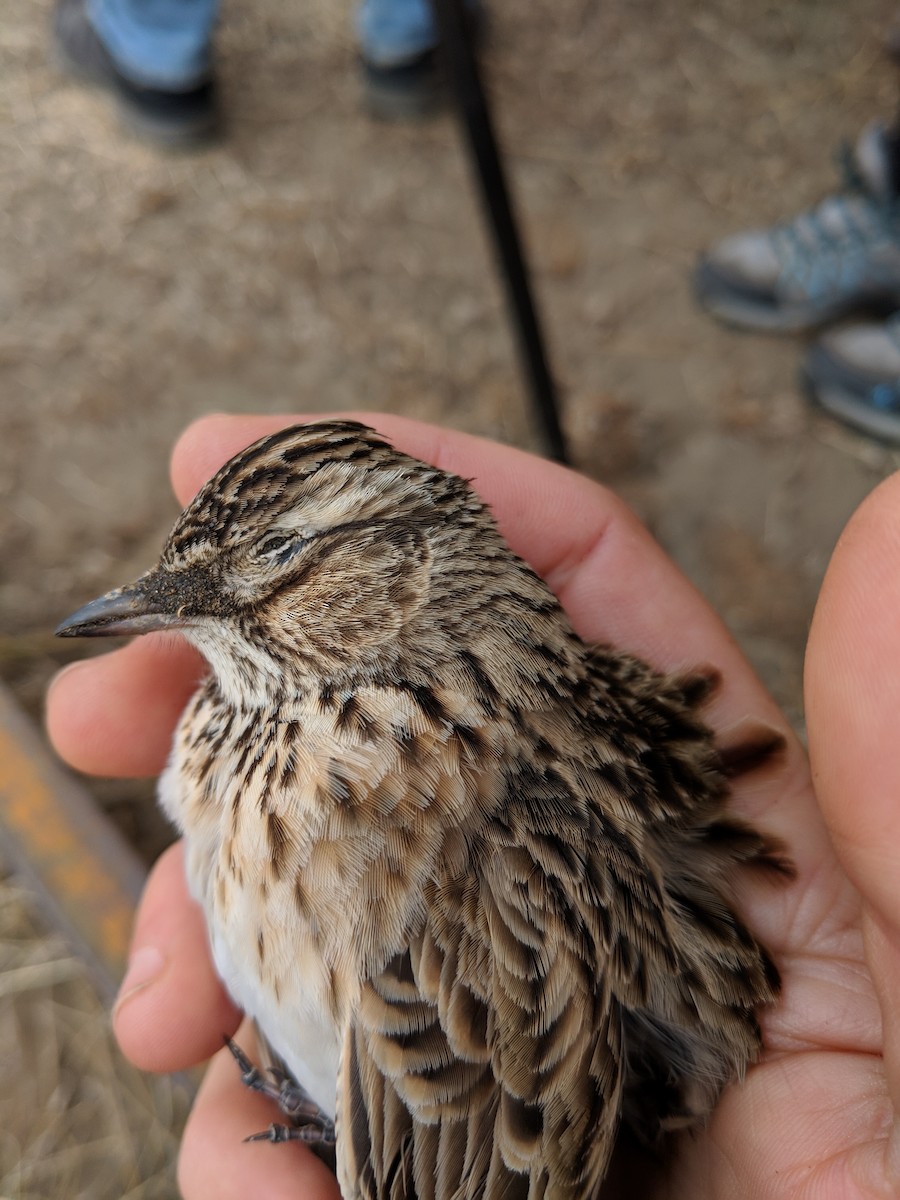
(472, 877)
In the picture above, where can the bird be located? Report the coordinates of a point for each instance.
(472, 877)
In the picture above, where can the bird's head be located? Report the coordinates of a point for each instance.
(308, 555)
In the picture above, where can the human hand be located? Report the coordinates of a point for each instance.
(817, 1114)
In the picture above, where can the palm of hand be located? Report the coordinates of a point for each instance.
(815, 1116)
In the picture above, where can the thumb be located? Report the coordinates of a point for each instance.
(853, 715)
(853, 699)
(172, 1010)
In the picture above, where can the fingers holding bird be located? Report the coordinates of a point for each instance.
(114, 714)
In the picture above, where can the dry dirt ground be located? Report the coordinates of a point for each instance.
(320, 260)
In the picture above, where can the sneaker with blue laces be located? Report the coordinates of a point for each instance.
(839, 257)
(854, 373)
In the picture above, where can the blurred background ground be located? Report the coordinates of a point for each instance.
(75, 1120)
(319, 260)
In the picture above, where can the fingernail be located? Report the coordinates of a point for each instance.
(144, 966)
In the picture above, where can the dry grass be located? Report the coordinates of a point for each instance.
(79, 1121)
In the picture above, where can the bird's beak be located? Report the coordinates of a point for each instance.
(138, 608)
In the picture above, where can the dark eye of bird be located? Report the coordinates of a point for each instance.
(279, 547)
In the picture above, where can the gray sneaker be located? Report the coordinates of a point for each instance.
(854, 373)
(843, 255)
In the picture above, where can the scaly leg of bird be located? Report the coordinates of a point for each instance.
(308, 1122)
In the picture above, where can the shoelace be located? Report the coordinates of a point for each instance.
(830, 249)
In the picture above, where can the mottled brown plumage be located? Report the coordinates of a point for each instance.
(472, 877)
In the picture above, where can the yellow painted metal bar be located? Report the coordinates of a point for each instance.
(55, 838)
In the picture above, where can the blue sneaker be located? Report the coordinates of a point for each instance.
(173, 119)
(839, 257)
(854, 373)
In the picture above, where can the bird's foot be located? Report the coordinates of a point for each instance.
(308, 1122)
(312, 1135)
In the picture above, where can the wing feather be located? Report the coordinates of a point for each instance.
(486, 1060)
(578, 962)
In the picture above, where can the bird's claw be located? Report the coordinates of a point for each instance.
(312, 1134)
(251, 1076)
(309, 1125)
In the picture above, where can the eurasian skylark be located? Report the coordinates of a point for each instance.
(472, 877)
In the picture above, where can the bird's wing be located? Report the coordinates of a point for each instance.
(486, 1060)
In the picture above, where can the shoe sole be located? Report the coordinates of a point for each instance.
(407, 92)
(190, 135)
(748, 318)
(385, 105)
(203, 132)
(743, 313)
(849, 409)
